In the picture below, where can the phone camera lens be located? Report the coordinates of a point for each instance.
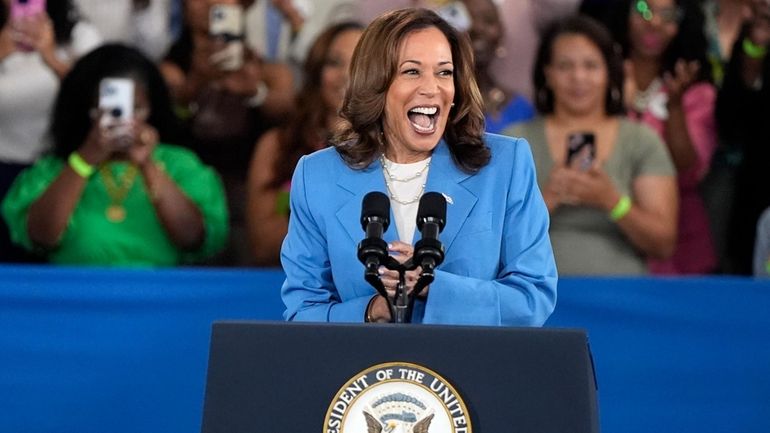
(116, 112)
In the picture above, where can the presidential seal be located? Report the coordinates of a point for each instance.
(397, 397)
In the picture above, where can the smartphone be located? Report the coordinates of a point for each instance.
(226, 22)
(581, 150)
(226, 25)
(21, 9)
(26, 8)
(116, 104)
(457, 15)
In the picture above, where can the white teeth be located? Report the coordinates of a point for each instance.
(425, 110)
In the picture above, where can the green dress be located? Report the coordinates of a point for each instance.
(140, 239)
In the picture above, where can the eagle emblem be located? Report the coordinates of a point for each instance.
(398, 413)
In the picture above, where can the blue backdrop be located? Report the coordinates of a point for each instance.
(90, 350)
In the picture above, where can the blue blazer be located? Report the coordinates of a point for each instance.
(499, 267)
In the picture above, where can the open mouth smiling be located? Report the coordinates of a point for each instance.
(423, 119)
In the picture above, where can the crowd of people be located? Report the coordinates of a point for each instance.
(644, 119)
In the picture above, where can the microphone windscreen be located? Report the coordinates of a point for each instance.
(375, 204)
(432, 205)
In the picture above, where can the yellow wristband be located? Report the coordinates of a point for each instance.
(80, 166)
(621, 209)
(753, 50)
(767, 266)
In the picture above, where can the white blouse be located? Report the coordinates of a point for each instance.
(405, 184)
(28, 88)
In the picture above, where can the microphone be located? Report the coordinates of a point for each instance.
(375, 219)
(431, 218)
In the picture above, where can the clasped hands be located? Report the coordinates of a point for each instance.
(572, 186)
(34, 33)
(135, 140)
(402, 252)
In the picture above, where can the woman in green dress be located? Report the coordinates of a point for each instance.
(117, 193)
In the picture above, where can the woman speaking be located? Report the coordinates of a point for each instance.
(414, 124)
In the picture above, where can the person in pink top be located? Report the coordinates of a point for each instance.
(668, 87)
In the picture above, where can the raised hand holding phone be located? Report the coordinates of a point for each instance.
(116, 108)
(26, 8)
(226, 27)
(32, 28)
(581, 150)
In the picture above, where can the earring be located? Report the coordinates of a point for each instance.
(615, 95)
(453, 104)
(501, 52)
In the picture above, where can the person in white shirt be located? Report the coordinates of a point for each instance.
(35, 53)
(144, 24)
(284, 30)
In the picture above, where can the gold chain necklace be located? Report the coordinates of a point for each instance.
(390, 178)
(117, 188)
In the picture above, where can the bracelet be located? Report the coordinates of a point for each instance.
(80, 166)
(753, 50)
(767, 266)
(621, 209)
(367, 312)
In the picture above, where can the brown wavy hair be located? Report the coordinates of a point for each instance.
(307, 125)
(373, 69)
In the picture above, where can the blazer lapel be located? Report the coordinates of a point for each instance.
(359, 183)
(444, 177)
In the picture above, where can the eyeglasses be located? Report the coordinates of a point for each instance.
(671, 15)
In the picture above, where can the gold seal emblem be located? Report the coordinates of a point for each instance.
(397, 397)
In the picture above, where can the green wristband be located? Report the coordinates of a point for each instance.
(621, 209)
(767, 266)
(80, 166)
(753, 50)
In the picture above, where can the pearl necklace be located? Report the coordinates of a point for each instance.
(390, 178)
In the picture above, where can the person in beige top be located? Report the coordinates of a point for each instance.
(613, 210)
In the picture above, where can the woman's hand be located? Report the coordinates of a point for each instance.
(759, 17)
(145, 140)
(378, 310)
(100, 142)
(244, 81)
(630, 88)
(592, 188)
(35, 33)
(136, 139)
(401, 252)
(685, 73)
(203, 62)
(756, 15)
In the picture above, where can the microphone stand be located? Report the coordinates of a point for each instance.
(402, 304)
(372, 276)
